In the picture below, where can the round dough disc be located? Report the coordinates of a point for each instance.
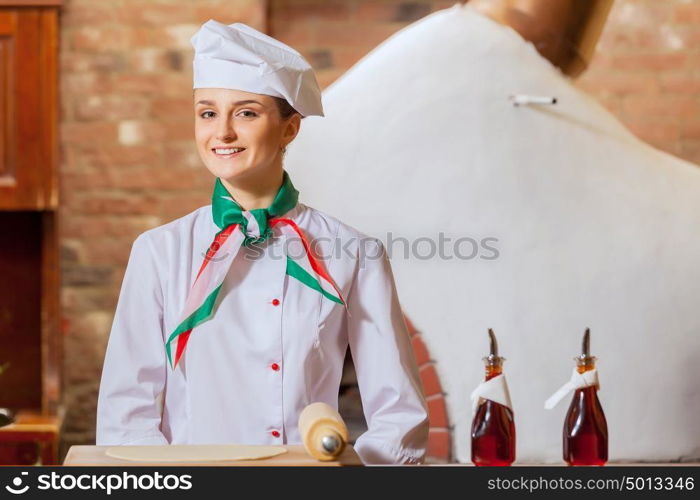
(193, 453)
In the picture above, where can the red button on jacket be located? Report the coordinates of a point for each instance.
(275, 302)
(275, 434)
(275, 366)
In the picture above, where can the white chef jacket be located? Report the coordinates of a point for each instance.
(273, 346)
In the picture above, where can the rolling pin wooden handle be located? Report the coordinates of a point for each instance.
(323, 431)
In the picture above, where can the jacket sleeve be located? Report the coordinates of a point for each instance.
(129, 405)
(387, 375)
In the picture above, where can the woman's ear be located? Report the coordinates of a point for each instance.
(291, 129)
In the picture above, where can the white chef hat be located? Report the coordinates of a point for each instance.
(239, 57)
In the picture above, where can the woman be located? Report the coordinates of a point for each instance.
(236, 316)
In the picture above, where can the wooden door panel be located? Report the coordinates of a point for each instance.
(27, 116)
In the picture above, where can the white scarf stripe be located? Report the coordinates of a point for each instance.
(214, 274)
(253, 229)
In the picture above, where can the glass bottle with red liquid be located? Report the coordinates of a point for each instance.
(493, 426)
(585, 427)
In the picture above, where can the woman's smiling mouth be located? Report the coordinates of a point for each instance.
(227, 152)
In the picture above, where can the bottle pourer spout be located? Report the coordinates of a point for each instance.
(494, 344)
(585, 357)
(493, 359)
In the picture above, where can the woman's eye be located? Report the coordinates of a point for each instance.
(206, 113)
(246, 113)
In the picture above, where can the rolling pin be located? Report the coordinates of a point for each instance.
(322, 431)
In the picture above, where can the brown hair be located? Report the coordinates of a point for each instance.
(285, 109)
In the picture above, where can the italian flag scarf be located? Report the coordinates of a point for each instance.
(242, 228)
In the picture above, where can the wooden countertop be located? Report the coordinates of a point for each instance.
(296, 456)
(34, 424)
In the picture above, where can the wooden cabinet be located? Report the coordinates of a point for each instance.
(29, 264)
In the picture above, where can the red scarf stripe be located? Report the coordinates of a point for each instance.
(181, 343)
(315, 265)
(215, 246)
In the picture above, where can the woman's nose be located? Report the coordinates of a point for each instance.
(225, 131)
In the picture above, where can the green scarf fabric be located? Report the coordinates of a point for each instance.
(227, 211)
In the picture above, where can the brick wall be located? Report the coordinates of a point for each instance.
(647, 72)
(129, 162)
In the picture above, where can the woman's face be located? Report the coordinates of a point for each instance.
(240, 133)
